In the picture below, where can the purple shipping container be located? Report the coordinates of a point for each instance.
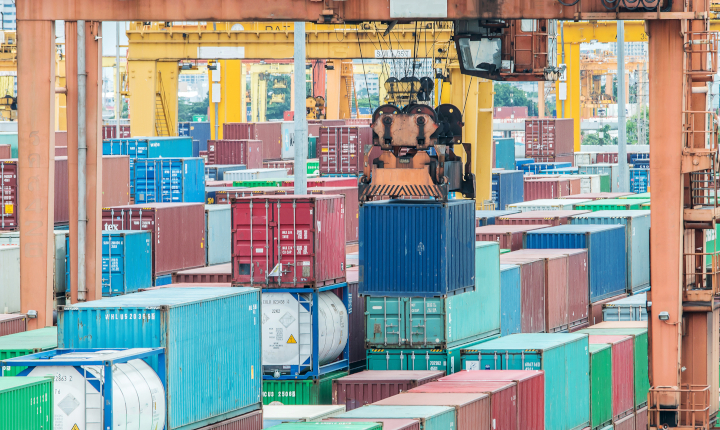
(12, 323)
(62, 200)
(509, 236)
(388, 423)
(532, 292)
(553, 218)
(371, 386)
(250, 421)
(270, 133)
(219, 273)
(177, 230)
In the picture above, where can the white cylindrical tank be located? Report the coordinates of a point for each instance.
(287, 329)
(138, 395)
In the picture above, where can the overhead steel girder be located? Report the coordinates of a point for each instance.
(606, 31)
(328, 11)
(250, 40)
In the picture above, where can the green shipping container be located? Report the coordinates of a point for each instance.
(601, 396)
(29, 342)
(440, 322)
(301, 392)
(638, 196)
(605, 183)
(313, 167)
(255, 183)
(329, 426)
(26, 403)
(419, 359)
(504, 251)
(10, 138)
(430, 417)
(642, 380)
(612, 205)
(312, 148)
(200, 118)
(563, 357)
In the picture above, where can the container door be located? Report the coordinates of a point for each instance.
(295, 255)
(384, 321)
(383, 359)
(428, 359)
(112, 265)
(520, 360)
(426, 322)
(253, 244)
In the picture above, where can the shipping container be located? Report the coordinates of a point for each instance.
(549, 137)
(216, 172)
(352, 208)
(176, 319)
(585, 158)
(637, 241)
(594, 183)
(485, 217)
(6, 152)
(209, 184)
(563, 357)
(530, 391)
(613, 205)
(27, 403)
(311, 391)
(636, 196)
(10, 138)
(221, 273)
(177, 229)
(442, 261)
(631, 308)
(504, 153)
(430, 417)
(270, 133)
(548, 165)
(472, 410)
(12, 323)
(506, 188)
(596, 308)
(277, 414)
(115, 180)
(599, 196)
(601, 386)
(224, 195)
(61, 187)
(549, 188)
(439, 322)
(9, 279)
(387, 423)
(532, 287)
(606, 157)
(218, 242)
(371, 386)
(641, 419)
(519, 162)
(612, 170)
(606, 253)
(169, 180)
(242, 151)
(254, 174)
(197, 130)
(546, 217)
(110, 132)
(627, 423)
(25, 343)
(250, 421)
(510, 300)
(623, 396)
(508, 236)
(640, 354)
(9, 207)
(341, 150)
(547, 205)
(305, 233)
(356, 320)
(330, 426)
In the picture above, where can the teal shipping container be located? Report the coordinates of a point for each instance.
(430, 417)
(10, 138)
(637, 242)
(217, 234)
(510, 300)
(211, 338)
(505, 153)
(440, 322)
(563, 357)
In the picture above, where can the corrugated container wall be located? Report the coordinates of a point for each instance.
(250, 421)
(641, 419)
(601, 386)
(62, 201)
(242, 151)
(9, 279)
(472, 410)
(12, 323)
(612, 170)
(27, 342)
(218, 239)
(488, 217)
(431, 417)
(546, 205)
(169, 180)
(508, 236)
(310, 391)
(197, 130)
(26, 403)
(184, 322)
(510, 300)
(549, 137)
(552, 188)
(115, 180)
(5, 152)
(622, 372)
(387, 424)
(352, 208)
(552, 217)
(532, 287)
(399, 259)
(627, 423)
(270, 133)
(505, 153)
(506, 188)
(216, 173)
(356, 320)
(370, 386)
(632, 308)
(340, 150)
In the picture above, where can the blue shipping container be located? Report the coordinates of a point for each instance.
(561, 171)
(563, 357)
(169, 180)
(505, 153)
(522, 161)
(510, 300)
(637, 242)
(126, 261)
(607, 259)
(537, 167)
(507, 188)
(211, 338)
(488, 217)
(418, 248)
(639, 180)
(215, 172)
(430, 417)
(199, 131)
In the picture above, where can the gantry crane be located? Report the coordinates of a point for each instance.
(592, 69)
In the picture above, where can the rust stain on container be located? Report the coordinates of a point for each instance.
(371, 386)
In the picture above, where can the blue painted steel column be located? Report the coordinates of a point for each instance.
(108, 397)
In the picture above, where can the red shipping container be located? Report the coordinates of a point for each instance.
(370, 386)
(596, 316)
(553, 218)
(472, 410)
(530, 390)
(116, 180)
(177, 230)
(388, 423)
(109, 132)
(352, 208)
(191, 285)
(304, 236)
(641, 419)
(241, 151)
(219, 273)
(225, 196)
(509, 236)
(210, 184)
(550, 188)
(60, 151)
(288, 165)
(606, 157)
(503, 398)
(9, 193)
(269, 133)
(340, 150)
(627, 423)
(6, 152)
(358, 121)
(622, 372)
(12, 323)
(62, 200)
(549, 137)
(250, 421)
(60, 138)
(532, 293)
(333, 122)
(325, 182)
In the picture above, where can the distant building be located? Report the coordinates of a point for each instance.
(631, 48)
(9, 15)
(510, 112)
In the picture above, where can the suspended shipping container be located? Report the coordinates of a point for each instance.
(371, 386)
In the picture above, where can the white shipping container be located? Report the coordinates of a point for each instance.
(9, 279)
(603, 169)
(547, 205)
(589, 184)
(253, 174)
(287, 129)
(13, 237)
(585, 158)
(276, 414)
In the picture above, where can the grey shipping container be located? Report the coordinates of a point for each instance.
(59, 287)
(202, 356)
(217, 234)
(9, 279)
(637, 242)
(633, 308)
(216, 172)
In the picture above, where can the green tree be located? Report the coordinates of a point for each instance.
(187, 109)
(602, 137)
(509, 95)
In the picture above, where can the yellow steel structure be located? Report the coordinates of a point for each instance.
(591, 70)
